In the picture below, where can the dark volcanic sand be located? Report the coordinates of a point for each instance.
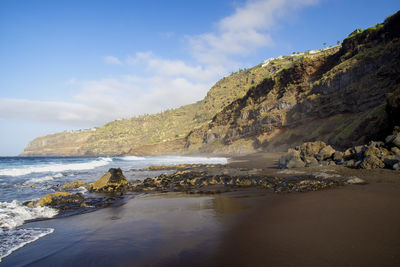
(353, 225)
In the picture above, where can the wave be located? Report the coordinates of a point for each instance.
(12, 240)
(57, 167)
(131, 158)
(170, 160)
(13, 214)
(38, 180)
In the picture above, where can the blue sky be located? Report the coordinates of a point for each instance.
(68, 65)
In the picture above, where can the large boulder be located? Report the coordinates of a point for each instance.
(60, 200)
(112, 181)
(291, 160)
(325, 153)
(393, 140)
(372, 162)
(395, 151)
(338, 156)
(310, 149)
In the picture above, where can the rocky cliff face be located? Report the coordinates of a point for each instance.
(344, 96)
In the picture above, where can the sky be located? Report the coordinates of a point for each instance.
(69, 64)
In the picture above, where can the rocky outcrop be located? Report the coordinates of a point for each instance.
(112, 181)
(195, 181)
(372, 156)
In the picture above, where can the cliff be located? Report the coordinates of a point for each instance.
(160, 133)
(344, 96)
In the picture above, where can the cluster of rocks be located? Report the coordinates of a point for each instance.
(197, 180)
(371, 156)
(112, 182)
(190, 181)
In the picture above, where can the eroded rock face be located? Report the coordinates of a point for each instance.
(112, 181)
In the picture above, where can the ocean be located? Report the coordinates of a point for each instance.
(30, 178)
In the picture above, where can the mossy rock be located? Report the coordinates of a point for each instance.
(113, 180)
(49, 199)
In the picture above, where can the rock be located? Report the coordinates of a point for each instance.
(395, 151)
(313, 164)
(355, 180)
(338, 156)
(331, 163)
(291, 160)
(372, 151)
(112, 181)
(372, 162)
(390, 161)
(62, 200)
(74, 185)
(295, 163)
(49, 199)
(359, 149)
(376, 144)
(349, 163)
(309, 149)
(393, 140)
(325, 153)
(310, 160)
(396, 167)
(396, 140)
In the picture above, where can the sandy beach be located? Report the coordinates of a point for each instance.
(351, 225)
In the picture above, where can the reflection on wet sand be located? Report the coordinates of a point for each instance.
(158, 229)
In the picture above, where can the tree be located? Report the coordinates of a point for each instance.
(338, 42)
(324, 45)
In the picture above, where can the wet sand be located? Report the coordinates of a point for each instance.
(354, 225)
(171, 229)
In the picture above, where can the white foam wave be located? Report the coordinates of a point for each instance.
(171, 160)
(24, 170)
(11, 240)
(13, 214)
(38, 180)
(58, 175)
(130, 158)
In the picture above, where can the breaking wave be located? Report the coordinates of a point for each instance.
(56, 167)
(12, 240)
(13, 214)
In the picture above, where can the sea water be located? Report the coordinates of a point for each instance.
(30, 178)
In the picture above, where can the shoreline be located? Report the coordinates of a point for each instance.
(248, 227)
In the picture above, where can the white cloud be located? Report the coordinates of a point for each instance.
(244, 31)
(48, 111)
(112, 60)
(176, 68)
(164, 83)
